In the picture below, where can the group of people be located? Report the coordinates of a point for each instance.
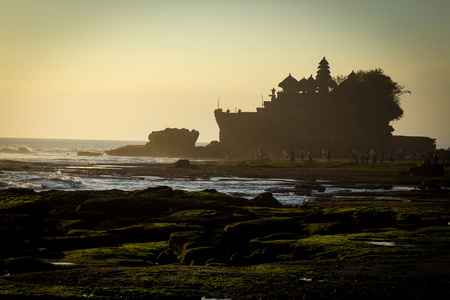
(365, 156)
(303, 155)
(261, 153)
(433, 158)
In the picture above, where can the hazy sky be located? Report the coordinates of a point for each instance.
(105, 69)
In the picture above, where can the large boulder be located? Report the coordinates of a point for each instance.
(214, 149)
(266, 200)
(173, 141)
(25, 265)
(237, 236)
(332, 228)
(183, 164)
(427, 170)
(195, 247)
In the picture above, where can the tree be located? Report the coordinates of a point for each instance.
(380, 95)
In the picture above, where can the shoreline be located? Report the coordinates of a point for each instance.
(163, 243)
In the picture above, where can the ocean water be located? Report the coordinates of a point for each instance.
(63, 154)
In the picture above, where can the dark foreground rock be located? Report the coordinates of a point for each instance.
(162, 243)
(427, 170)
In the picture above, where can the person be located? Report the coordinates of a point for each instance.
(391, 158)
(310, 155)
(292, 156)
(329, 154)
(302, 153)
(353, 156)
(381, 156)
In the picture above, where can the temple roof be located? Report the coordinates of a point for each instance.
(323, 61)
(303, 84)
(288, 82)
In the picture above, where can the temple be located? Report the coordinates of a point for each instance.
(319, 113)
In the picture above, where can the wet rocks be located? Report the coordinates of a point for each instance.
(89, 153)
(427, 170)
(183, 164)
(309, 186)
(332, 228)
(266, 200)
(196, 247)
(25, 265)
(238, 235)
(430, 186)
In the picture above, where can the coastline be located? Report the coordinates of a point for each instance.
(154, 242)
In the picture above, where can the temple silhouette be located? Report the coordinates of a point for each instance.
(319, 113)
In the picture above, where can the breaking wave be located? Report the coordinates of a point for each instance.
(16, 150)
(40, 180)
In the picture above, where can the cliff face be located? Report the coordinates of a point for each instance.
(173, 141)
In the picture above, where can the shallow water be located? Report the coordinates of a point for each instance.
(63, 154)
(282, 189)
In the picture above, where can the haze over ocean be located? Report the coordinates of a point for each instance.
(119, 70)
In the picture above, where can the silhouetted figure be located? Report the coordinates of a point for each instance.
(292, 156)
(391, 158)
(329, 154)
(302, 154)
(310, 155)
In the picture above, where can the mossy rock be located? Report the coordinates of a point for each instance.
(239, 234)
(266, 200)
(332, 228)
(26, 265)
(299, 254)
(167, 257)
(215, 262)
(179, 242)
(200, 255)
(280, 236)
(368, 219)
(410, 219)
(150, 232)
(262, 256)
(123, 206)
(238, 259)
(158, 191)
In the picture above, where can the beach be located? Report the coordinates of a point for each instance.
(372, 231)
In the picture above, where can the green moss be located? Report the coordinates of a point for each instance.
(113, 255)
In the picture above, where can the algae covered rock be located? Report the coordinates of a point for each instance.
(196, 247)
(25, 265)
(332, 228)
(238, 235)
(183, 164)
(266, 200)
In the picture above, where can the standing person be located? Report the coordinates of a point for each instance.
(329, 154)
(292, 156)
(302, 153)
(391, 158)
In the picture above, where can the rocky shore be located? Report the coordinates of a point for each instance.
(163, 243)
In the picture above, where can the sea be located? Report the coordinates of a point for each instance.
(63, 154)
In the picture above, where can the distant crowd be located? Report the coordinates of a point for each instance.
(364, 157)
(357, 156)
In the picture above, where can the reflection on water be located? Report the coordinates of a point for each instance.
(282, 189)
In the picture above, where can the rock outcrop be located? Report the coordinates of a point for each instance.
(173, 142)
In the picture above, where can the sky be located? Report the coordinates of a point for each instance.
(118, 70)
